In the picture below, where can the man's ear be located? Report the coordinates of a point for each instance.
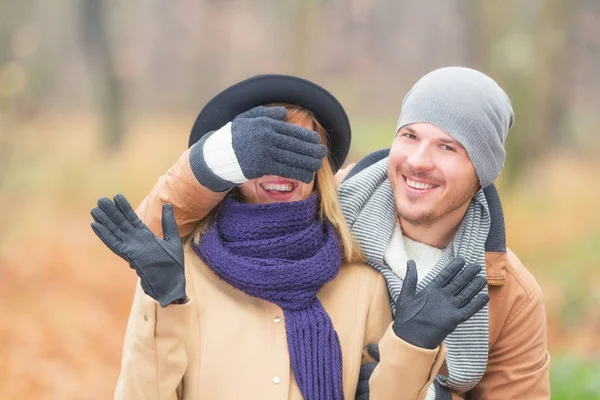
(341, 174)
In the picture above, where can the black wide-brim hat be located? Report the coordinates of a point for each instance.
(266, 89)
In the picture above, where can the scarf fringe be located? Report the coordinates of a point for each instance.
(315, 353)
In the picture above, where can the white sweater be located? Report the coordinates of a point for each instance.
(401, 249)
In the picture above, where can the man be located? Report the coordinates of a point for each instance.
(449, 145)
(429, 198)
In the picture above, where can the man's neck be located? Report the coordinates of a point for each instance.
(438, 233)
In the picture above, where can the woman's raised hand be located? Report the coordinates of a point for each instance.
(158, 262)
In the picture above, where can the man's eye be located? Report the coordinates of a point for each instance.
(409, 136)
(445, 147)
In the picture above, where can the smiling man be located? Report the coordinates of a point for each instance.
(429, 198)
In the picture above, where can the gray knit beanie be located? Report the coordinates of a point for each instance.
(470, 107)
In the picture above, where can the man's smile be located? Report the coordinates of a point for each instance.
(414, 185)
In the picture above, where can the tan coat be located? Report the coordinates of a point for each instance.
(224, 344)
(518, 360)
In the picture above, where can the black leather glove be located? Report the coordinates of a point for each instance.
(366, 370)
(263, 144)
(158, 262)
(425, 319)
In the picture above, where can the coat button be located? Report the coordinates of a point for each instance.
(277, 320)
(276, 380)
(146, 317)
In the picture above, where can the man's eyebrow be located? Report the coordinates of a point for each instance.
(444, 140)
(451, 141)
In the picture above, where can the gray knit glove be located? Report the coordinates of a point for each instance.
(452, 297)
(158, 262)
(256, 143)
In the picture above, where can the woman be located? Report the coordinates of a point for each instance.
(274, 301)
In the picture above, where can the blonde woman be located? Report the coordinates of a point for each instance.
(273, 300)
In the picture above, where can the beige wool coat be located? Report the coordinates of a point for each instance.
(223, 344)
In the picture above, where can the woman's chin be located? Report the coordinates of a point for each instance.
(279, 197)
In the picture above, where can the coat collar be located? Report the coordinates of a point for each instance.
(496, 258)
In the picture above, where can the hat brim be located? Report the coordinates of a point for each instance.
(273, 88)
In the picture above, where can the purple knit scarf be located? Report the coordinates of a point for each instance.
(284, 254)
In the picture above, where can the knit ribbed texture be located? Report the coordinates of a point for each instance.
(402, 248)
(284, 254)
(220, 157)
(202, 172)
(496, 240)
(368, 205)
(470, 107)
(421, 252)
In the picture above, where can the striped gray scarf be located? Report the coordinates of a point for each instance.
(368, 205)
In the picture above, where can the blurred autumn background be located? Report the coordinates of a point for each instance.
(97, 97)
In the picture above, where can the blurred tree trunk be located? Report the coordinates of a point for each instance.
(492, 22)
(551, 67)
(12, 17)
(302, 26)
(523, 47)
(562, 13)
(105, 81)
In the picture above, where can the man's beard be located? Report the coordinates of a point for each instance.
(449, 205)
